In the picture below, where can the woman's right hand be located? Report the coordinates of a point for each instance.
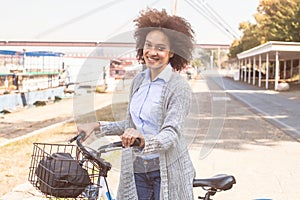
(88, 128)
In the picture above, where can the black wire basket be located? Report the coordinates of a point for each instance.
(60, 171)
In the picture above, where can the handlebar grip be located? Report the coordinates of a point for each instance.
(77, 137)
(136, 143)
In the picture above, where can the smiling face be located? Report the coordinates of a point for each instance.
(156, 52)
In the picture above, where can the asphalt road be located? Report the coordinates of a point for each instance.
(280, 108)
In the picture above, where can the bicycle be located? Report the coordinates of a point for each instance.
(97, 169)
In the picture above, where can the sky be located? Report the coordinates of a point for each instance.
(100, 20)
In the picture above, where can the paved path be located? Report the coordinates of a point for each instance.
(261, 155)
(228, 132)
(280, 108)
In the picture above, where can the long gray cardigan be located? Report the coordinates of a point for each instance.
(176, 169)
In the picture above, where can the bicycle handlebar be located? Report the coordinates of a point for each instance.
(136, 143)
(81, 135)
(78, 137)
(92, 155)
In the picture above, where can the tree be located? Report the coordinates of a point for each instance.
(196, 63)
(235, 48)
(276, 20)
(203, 55)
(279, 20)
(250, 39)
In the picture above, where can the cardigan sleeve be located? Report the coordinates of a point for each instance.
(111, 128)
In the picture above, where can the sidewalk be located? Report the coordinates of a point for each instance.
(260, 155)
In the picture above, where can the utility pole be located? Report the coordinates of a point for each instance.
(174, 7)
(212, 59)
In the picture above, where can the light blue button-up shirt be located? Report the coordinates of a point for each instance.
(145, 102)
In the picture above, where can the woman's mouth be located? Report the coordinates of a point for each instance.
(152, 59)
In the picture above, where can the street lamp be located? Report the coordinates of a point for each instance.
(24, 57)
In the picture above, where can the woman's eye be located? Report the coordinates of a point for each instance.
(157, 48)
(147, 45)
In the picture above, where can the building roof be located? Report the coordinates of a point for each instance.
(286, 50)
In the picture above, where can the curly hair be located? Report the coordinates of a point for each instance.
(177, 29)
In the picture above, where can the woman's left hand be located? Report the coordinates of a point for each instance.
(88, 129)
(130, 135)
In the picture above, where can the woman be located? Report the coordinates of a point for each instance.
(161, 168)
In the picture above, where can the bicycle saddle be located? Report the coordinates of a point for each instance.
(219, 182)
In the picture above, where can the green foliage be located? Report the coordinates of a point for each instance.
(280, 21)
(196, 62)
(276, 20)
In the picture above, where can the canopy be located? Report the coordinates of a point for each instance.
(9, 52)
(44, 53)
(32, 53)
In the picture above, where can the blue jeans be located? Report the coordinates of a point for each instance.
(148, 185)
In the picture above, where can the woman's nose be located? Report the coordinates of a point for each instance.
(152, 51)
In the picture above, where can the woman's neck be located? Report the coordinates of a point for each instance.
(155, 72)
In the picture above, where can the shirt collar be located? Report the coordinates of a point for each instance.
(163, 75)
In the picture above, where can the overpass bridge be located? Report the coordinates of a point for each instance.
(102, 50)
(95, 44)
